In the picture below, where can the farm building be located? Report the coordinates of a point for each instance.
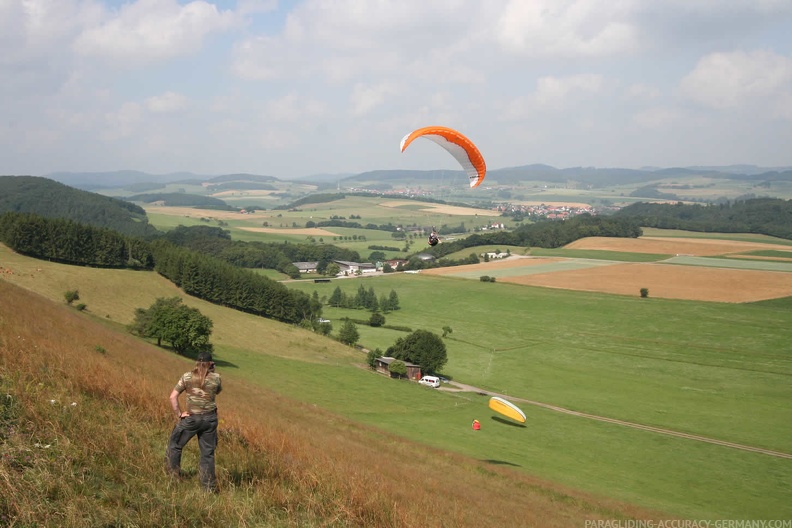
(382, 364)
(306, 267)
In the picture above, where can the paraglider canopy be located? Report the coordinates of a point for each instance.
(507, 408)
(459, 146)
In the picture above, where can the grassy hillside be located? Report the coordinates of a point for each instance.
(707, 368)
(84, 421)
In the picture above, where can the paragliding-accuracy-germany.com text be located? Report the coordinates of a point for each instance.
(688, 523)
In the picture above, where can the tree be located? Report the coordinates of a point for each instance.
(644, 292)
(337, 298)
(332, 269)
(398, 367)
(393, 301)
(185, 328)
(446, 331)
(421, 347)
(371, 358)
(376, 319)
(348, 334)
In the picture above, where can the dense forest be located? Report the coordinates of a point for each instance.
(767, 216)
(222, 283)
(48, 198)
(547, 234)
(198, 274)
(62, 240)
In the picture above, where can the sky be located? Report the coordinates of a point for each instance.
(298, 88)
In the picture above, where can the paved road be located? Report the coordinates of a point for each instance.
(461, 387)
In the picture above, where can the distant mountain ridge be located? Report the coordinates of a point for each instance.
(594, 176)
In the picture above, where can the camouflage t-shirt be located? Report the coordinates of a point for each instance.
(200, 400)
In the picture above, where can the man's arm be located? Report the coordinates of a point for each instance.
(174, 399)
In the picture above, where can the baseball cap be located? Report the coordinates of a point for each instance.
(205, 357)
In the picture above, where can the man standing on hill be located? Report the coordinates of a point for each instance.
(201, 384)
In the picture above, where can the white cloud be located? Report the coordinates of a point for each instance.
(264, 58)
(246, 7)
(738, 80)
(294, 109)
(365, 98)
(123, 122)
(643, 91)
(554, 94)
(657, 117)
(166, 103)
(568, 28)
(149, 30)
(557, 90)
(347, 40)
(566, 82)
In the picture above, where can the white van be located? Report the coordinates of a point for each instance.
(430, 381)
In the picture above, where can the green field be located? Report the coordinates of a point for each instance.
(618, 256)
(743, 237)
(717, 370)
(417, 215)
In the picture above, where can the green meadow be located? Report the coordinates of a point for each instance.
(743, 237)
(712, 369)
(370, 210)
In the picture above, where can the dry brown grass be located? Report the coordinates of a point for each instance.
(280, 463)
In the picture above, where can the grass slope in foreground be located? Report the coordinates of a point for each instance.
(85, 420)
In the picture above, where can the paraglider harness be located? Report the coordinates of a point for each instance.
(433, 239)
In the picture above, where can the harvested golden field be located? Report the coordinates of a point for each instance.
(671, 281)
(699, 247)
(439, 208)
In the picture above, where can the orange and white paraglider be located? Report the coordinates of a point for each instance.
(465, 152)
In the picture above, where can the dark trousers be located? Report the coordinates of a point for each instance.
(205, 426)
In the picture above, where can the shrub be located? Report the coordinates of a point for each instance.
(644, 292)
(71, 296)
(376, 319)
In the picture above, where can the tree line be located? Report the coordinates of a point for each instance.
(364, 299)
(199, 274)
(767, 216)
(62, 240)
(219, 282)
(547, 233)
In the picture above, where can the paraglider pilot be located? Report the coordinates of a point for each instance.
(476, 425)
(433, 238)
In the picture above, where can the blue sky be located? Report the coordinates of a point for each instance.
(296, 88)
